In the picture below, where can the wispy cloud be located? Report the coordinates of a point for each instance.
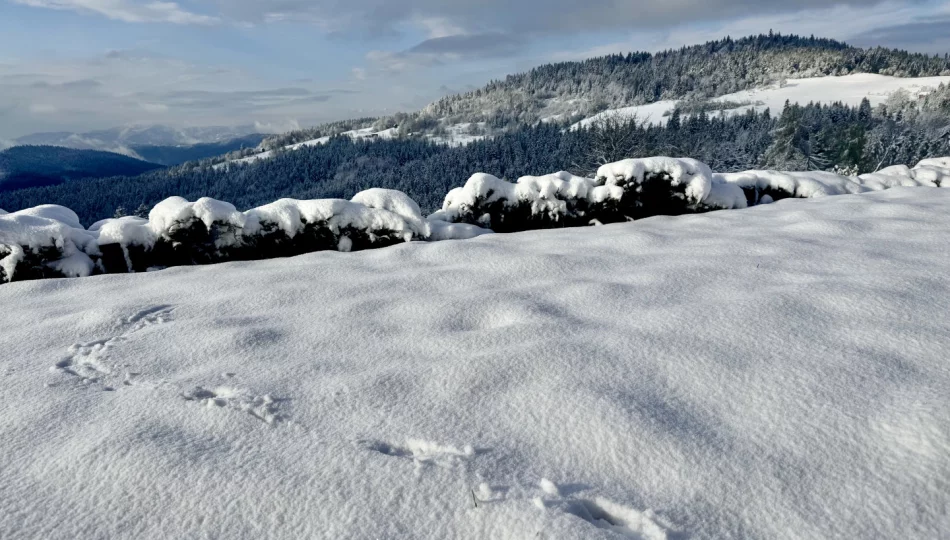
(126, 11)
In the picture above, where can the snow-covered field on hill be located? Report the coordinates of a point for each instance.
(775, 372)
(455, 135)
(847, 89)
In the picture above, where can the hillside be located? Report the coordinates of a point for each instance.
(777, 372)
(571, 91)
(30, 166)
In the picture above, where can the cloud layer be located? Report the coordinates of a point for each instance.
(127, 11)
(279, 62)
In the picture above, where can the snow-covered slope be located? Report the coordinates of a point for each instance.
(848, 89)
(366, 133)
(455, 135)
(652, 113)
(776, 372)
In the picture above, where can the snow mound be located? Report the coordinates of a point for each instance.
(693, 178)
(444, 230)
(43, 242)
(779, 185)
(396, 202)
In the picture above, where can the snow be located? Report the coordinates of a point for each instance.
(175, 211)
(459, 134)
(365, 133)
(440, 229)
(847, 89)
(694, 174)
(651, 113)
(777, 372)
(396, 202)
(46, 227)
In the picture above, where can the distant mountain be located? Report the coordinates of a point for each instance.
(122, 140)
(176, 155)
(33, 166)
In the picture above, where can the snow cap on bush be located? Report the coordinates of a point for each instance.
(175, 211)
(694, 175)
(47, 228)
(396, 202)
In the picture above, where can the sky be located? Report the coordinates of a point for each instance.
(81, 65)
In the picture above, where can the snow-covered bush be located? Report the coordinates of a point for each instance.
(179, 232)
(628, 189)
(44, 242)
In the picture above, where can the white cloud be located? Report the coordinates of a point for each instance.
(123, 87)
(122, 10)
(837, 22)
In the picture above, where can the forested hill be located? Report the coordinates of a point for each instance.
(28, 166)
(583, 88)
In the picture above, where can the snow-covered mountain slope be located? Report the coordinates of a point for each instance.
(454, 135)
(356, 134)
(652, 113)
(848, 89)
(776, 372)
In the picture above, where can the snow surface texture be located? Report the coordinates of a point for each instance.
(48, 241)
(847, 89)
(773, 373)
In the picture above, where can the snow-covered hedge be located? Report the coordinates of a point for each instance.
(628, 189)
(48, 241)
(638, 188)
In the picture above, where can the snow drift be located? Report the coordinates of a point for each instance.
(48, 241)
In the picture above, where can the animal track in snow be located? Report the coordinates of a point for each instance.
(265, 408)
(92, 362)
(605, 514)
(422, 452)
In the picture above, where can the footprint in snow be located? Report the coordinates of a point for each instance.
(91, 363)
(264, 408)
(604, 514)
(422, 452)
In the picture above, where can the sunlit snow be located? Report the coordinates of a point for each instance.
(773, 372)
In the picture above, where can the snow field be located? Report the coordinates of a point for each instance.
(773, 373)
(847, 89)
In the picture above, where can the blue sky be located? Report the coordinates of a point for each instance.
(79, 65)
